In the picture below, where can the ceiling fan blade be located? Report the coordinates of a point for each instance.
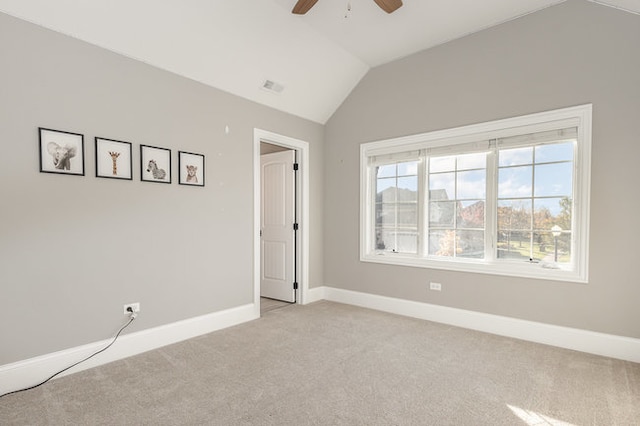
(303, 6)
(389, 6)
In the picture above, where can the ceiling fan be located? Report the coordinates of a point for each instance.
(303, 6)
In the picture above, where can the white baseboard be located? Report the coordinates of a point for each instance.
(28, 372)
(624, 348)
(31, 371)
(314, 294)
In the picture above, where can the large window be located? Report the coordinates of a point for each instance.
(507, 197)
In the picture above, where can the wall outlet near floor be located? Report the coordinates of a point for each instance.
(134, 306)
(435, 286)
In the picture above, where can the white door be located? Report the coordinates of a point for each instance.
(277, 259)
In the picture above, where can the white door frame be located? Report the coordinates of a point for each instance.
(302, 200)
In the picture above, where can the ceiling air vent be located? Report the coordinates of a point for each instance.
(272, 86)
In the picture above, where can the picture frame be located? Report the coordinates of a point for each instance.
(155, 164)
(113, 159)
(190, 168)
(61, 152)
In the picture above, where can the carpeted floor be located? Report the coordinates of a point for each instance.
(333, 364)
(267, 305)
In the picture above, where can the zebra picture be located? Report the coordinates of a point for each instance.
(155, 171)
(155, 164)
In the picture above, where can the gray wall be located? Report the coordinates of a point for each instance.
(268, 148)
(574, 53)
(74, 249)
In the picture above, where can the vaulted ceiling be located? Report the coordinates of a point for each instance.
(237, 45)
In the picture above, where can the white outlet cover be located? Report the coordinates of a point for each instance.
(134, 306)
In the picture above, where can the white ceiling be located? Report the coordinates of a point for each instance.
(235, 45)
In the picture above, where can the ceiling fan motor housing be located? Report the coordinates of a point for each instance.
(303, 6)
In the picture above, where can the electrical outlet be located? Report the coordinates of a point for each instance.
(134, 306)
(435, 286)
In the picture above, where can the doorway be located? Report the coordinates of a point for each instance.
(278, 223)
(268, 142)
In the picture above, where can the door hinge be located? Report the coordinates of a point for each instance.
(295, 166)
(295, 285)
(295, 226)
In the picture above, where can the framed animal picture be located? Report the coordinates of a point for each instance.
(155, 164)
(191, 168)
(113, 159)
(61, 152)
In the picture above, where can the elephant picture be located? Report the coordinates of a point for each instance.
(61, 155)
(61, 152)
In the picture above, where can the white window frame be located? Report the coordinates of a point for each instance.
(578, 116)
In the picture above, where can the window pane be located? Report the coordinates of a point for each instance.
(564, 248)
(408, 188)
(380, 243)
(514, 214)
(516, 156)
(470, 244)
(386, 170)
(543, 246)
(554, 152)
(442, 243)
(442, 164)
(551, 212)
(472, 184)
(472, 161)
(471, 214)
(397, 241)
(441, 214)
(553, 179)
(515, 182)
(407, 241)
(408, 214)
(385, 190)
(408, 168)
(386, 214)
(442, 186)
(514, 245)
(385, 240)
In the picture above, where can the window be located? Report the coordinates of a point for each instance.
(396, 207)
(535, 192)
(507, 197)
(457, 196)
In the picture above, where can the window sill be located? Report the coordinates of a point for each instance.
(540, 270)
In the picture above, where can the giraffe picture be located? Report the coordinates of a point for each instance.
(113, 159)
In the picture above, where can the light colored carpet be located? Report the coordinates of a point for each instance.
(267, 305)
(333, 364)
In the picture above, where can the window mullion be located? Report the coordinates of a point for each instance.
(456, 210)
(370, 208)
(491, 205)
(396, 211)
(423, 205)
